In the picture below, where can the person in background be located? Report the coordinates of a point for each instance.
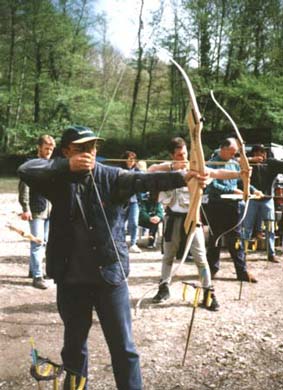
(151, 214)
(142, 167)
(132, 218)
(36, 210)
(223, 214)
(176, 203)
(87, 255)
(263, 175)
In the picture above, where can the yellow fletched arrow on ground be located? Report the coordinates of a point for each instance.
(24, 234)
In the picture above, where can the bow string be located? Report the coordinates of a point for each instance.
(197, 163)
(244, 162)
(244, 165)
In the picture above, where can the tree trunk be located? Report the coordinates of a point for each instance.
(5, 136)
(38, 66)
(20, 95)
(174, 88)
(218, 56)
(150, 73)
(138, 75)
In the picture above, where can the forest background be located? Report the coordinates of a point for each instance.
(58, 67)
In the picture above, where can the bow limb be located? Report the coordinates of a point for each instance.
(197, 163)
(244, 164)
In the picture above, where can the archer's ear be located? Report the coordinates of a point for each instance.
(65, 152)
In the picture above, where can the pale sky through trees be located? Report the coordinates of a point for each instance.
(123, 18)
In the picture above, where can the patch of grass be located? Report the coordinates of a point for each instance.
(9, 185)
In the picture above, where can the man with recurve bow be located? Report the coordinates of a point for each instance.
(225, 215)
(176, 204)
(263, 175)
(87, 254)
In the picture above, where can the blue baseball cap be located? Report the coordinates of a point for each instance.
(78, 135)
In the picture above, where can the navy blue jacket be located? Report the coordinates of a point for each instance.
(87, 237)
(264, 174)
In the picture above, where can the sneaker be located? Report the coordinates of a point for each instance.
(151, 243)
(273, 259)
(134, 249)
(39, 283)
(247, 277)
(209, 300)
(163, 293)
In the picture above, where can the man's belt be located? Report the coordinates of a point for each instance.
(170, 223)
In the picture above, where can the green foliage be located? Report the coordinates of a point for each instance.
(254, 102)
(53, 73)
(23, 139)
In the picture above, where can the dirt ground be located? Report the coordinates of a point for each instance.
(239, 347)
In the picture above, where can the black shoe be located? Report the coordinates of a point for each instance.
(247, 277)
(189, 258)
(273, 259)
(163, 293)
(39, 283)
(209, 300)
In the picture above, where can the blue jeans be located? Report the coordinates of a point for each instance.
(133, 221)
(263, 209)
(39, 228)
(75, 305)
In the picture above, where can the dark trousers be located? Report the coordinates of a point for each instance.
(75, 305)
(153, 227)
(222, 215)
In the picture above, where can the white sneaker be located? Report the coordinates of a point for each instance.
(134, 249)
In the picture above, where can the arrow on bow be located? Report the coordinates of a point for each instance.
(197, 163)
(244, 164)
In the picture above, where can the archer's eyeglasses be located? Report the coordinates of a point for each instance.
(87, 147)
